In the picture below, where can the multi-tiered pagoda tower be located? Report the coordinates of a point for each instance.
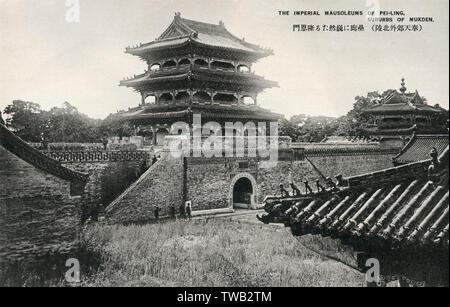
(196, 68)
(400, 114)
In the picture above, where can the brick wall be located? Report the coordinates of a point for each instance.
(107, 180)
(37, 214)
(350, 165)
(208, 182)
(285, 172)
(161, 185)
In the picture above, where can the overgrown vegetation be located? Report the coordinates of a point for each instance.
(60, 124)
(215, 252)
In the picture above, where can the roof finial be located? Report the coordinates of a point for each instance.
(403, 88)
(177, 15)
(221, 23)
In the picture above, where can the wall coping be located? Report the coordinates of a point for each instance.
(98, 155)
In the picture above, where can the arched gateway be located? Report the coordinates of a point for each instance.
(243, 191)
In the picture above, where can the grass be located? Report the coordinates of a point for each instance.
(210, 252)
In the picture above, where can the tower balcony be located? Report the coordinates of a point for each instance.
(199, 96)
(185, 64)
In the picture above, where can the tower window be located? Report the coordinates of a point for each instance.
(201, 62)
(243, 69)
(202, 97)
(169, 64)
(222, 65)
(184, 62)
(151, 99)
(155, 67)
(248, 100)
(225, 98)
(182, 96)
(166, 97)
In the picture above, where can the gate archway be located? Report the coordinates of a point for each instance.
(243, 191)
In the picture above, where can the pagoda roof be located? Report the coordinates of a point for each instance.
(184, 31)
(398, 208)
(396, 102)
(418, 147)
(399, 108)
(211, 111)
(192, 73)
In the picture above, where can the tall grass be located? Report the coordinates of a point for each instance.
(208, 253)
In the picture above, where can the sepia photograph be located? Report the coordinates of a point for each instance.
(224, 151)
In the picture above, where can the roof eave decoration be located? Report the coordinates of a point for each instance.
(208, 110)
(192, 74)
(180, 33)
(395, 209)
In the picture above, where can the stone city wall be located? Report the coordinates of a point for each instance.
(110, 173)
(37, 214)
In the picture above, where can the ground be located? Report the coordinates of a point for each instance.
(235, 250)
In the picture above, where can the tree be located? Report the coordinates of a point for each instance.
(112, 126)
(26, 119)
(306, 128)
(67, 125)
(355, 120)
(287, 128)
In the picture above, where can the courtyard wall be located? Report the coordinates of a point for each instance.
(38, 214)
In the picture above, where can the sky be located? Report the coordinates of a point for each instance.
(48, 60)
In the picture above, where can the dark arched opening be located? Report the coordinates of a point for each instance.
(166, 97)
(225, 98)
(202, 97)
(169, 64)
(201, 63)
(182, 96)
(242, 192)
(184, 62)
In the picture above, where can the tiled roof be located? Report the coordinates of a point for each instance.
(31, 155)
(395, 97)
(191, 73)
(141, 114)
(395, 102)
(402, 107)
(418, 148)
(393, 209)
(179, 110)
(182, 31)
(147, 79)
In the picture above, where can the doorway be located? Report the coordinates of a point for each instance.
(242, 193)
